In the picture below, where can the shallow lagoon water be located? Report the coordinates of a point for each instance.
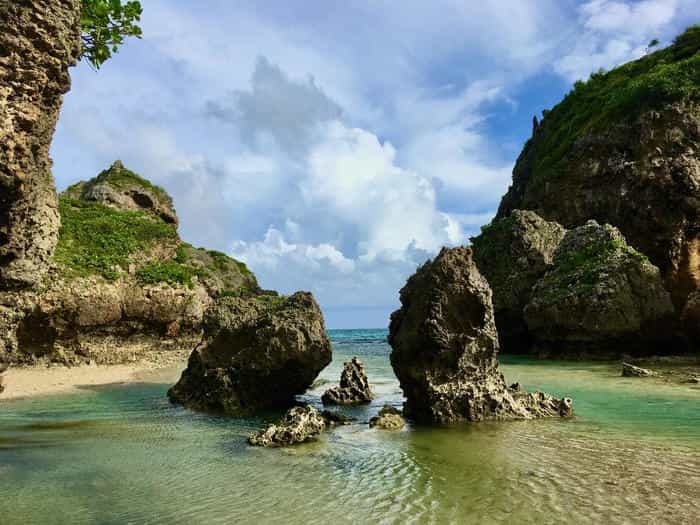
(123, 454)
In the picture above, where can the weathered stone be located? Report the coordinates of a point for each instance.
(39, 40)
(388, 418)
(629, 370)
(513, 253)
(601, 298)
(299, 424)
(258, 352)
(123, 190)
(334, 419)
(354, 387)
(444, 347)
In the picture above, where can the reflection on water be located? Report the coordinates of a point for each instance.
(125, 455)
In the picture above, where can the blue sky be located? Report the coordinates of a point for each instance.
(335, 146)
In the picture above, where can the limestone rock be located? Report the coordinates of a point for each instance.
(513, 253)
(40, 39)
(629, 370)
(602, 298)
(354, 387)
(334, 419)
(299, 424)
(257, 352)
(444, 347)
(388, 418)
(124, 190)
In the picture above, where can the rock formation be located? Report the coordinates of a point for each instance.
(299, 424)
(388, 418)
(335, 419)
(629, 370)
(258, 352)
(513, 253)
(623, 149)
(444, 348)
(602, 296)
(354, 387)
(39, 40)
(121, 287)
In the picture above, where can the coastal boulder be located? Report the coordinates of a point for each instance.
(299, 424)
(444, 347)
(629, 370)
(40, 40)
(258, 352)
(602, 298)
(388, 418)
(354, 386)
(513, 253)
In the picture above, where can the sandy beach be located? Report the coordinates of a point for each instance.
(30, 382)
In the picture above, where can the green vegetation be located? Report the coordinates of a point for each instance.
(104, 25)
(664, 76)
(95, 239)
(120, 177)
(171, 272)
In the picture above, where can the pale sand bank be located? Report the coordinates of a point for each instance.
(31, 382)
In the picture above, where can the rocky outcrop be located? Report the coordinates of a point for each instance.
(624, 148)
(299, 424)
(513, 253)
(601, 298)
(258, 352)
(444, 347)
(39, 40)
(124, 190)
(354, 387)
(388, 418)
(336, 419)
(122, 287)
(629, 370)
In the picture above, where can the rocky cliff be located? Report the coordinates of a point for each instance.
(624, 148)
(121, 285)
(39, 40)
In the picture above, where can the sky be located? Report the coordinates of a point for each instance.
(334, 146)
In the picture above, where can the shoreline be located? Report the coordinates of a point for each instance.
(30, 382)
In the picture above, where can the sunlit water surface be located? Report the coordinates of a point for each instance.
(123, 454)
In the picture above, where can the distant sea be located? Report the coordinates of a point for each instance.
(124, 454)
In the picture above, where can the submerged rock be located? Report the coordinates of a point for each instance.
(40, 40)
(513, 253)
(354, 387)
(629, 370)
(257, 352)
(444, 347)
(334, 419)
(602, 297)
(388, 418)
(299, 424)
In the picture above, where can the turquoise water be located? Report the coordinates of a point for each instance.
(123, 454)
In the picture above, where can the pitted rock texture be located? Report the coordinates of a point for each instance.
(39, 40)
(299, 424)
(354, 386)
(444, 348)
(257, 352)
(124, 190)
(513, 253)
(388, 418)
(602, 298)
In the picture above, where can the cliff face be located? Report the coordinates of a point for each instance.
(624, 149)
(121, 286)
(39, 40)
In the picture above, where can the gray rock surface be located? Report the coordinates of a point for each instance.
(513, 253)
(629, 370)
(39, 40)
(257, 352)
(354, 386)
(299, 424)
(444, 348)
(388, 418)
(601, 298)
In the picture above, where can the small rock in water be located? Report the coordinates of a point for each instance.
(299, 424)
(354, 386)
(629, 370)
(388, 418)
(692, 380)
(335, 419)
